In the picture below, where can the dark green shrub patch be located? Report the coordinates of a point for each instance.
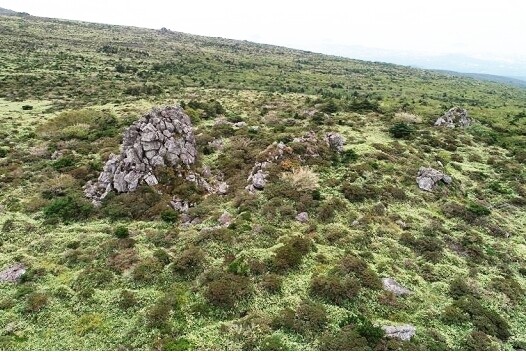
(227, 290)
(308, 317)
(68, 208)
(290, 255)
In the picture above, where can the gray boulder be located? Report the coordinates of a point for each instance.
(12, 273)
(454, 117)
(335, 141)
(302, 217)
(401, 332)
(428, 177)
(392, 286)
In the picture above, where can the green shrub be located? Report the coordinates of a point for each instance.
(68, 208)
(189, 262)
(93, 277)
(334, 288)
(178, 344)
(273, 343)
(35, 302)
(345, 339)
(147, 271)
(127, 299)
(401, 130)
(142, 204)
(272, 283)
(510, 287)
(170, 216)
(226, 290)
(309, 317)
(484, 319)
(478, 209)
(479, 341)
(121, 232)
(290, 255)
(458, 288)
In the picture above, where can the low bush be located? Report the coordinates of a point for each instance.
(36, 301)
(290, 255)
(334, 289)
(484, 319)
(510, 287)
(227, 290)
(271, 283)
(127, 299)
(68, 208)
(121, 232)
(401, 130)
(189, 262)
(147, 271)
(309, 317)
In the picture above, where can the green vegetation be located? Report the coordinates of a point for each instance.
(134, 274)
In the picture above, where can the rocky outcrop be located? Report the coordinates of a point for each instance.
(454, 117)
(12, 273)
(391, 285)
(278, 152)
(428, 178)
(163, 137)
(401, 332)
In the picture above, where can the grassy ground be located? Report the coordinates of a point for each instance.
(162, 286)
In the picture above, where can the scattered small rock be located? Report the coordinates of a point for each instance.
(225, 219)
(302, 217)
(401, 332)
(13, 273)
(454, 117)
(428, 177)
(394, 287)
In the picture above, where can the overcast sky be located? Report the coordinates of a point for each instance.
(489, 30)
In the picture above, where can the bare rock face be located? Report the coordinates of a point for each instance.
(13, 273)
(428, 177)
(163, 137)
(454, 117)
(392, 286)
(401, 332)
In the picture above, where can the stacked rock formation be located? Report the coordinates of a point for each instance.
(163, 137)
(428, 177)
(454, 117)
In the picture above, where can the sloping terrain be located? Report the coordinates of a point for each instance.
(294, 262)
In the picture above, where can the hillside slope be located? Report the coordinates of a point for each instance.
(298, 262)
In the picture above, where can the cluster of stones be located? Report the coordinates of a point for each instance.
(454, 117)
(257, 178)
(427, 178)
(163, 137)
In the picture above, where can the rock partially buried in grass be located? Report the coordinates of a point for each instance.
(13, 273)
(428, 178)
(401, 332)
(394, 287)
